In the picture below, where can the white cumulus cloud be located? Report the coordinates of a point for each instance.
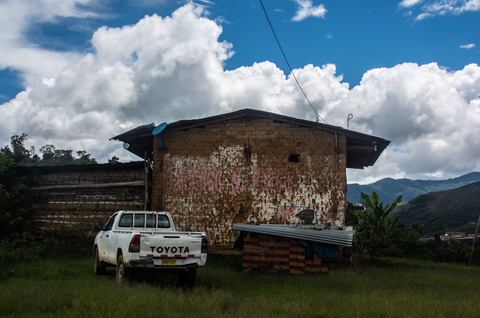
(430, 115)
(442, 7)
(164, 69)
(17, 52)
(306, 9)
(468, 46)
(409, 3)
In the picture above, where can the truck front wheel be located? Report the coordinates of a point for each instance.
(188, 278)
(123, 272)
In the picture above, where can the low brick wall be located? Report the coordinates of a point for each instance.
(265, 253)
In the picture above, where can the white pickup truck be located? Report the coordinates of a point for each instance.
(143, 240)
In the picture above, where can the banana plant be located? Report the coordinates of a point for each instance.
(375, 226)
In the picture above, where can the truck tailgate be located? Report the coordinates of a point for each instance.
(174, 244)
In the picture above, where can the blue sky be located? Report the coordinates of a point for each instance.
(356, 36)
(87, 70)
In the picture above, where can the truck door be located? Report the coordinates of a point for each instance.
(104, 239)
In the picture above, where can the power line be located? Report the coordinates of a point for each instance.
(286, 60)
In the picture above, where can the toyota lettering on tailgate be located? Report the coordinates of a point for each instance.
(172, 249)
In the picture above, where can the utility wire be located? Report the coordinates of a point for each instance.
(286, 60)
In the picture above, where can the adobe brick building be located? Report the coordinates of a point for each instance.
(250, 166)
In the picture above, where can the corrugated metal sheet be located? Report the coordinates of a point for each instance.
(308, 233)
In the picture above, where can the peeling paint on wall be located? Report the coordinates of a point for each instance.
(284, 212)
(210, 180)
(293, 214)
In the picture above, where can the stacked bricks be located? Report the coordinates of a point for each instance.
(82, 208)
(347, 255)
(265, 253)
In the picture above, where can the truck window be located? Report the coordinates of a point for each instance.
(109, 224)
(150, 220)
(126, 220)
(163, 222)
(139, 220)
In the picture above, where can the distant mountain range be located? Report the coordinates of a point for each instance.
(455, 210)
(389, 189)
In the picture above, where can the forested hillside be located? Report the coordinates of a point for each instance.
(454, 209)
(389, 189)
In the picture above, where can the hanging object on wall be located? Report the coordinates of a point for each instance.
(157, 131)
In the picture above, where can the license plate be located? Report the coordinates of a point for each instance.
(169, 261)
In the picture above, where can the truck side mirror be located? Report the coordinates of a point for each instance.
(98, 227)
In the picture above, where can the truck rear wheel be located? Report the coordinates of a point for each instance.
(123, 272)
(188, 278)
(98, 267)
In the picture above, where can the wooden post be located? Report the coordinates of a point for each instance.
(474, 239)
(146, 165)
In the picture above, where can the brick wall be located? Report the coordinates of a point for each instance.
(249, 170)
(81, 196)
(265, 253)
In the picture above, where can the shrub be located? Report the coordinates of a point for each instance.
(10, 255)
(16, 199)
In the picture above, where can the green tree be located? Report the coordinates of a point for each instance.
(18, 151)
(376, 228)
(53, 156)
(18, 147)
(48, 152)
(84, 158)
(16, 200)
(114, 160)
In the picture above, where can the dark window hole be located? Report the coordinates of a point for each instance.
(294, 158)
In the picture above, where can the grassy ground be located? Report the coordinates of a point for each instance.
(68, 288)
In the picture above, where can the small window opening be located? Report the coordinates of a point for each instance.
(294, 158)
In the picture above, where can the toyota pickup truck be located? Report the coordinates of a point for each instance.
(147, 241)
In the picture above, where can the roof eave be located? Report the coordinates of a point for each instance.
(362, 150)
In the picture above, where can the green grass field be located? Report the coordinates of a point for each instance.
(398, 288)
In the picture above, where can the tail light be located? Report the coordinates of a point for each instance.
(134, 244)
(204, 245)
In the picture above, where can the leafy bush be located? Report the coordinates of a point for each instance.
(73, 242)
(16, 200)
(379, 235)
(10, 255)
(375, 228)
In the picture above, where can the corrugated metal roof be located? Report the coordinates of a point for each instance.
(138, 140)
(303, 232)
(362, 150)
